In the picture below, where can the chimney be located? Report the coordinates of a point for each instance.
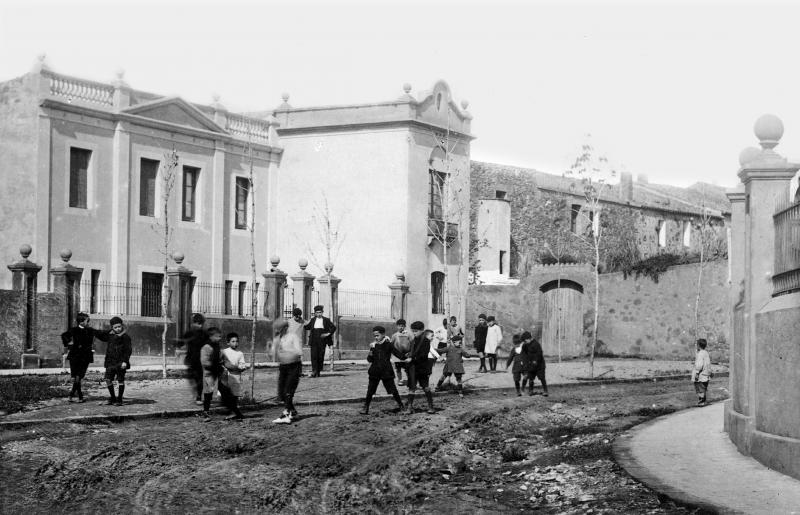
(626, 186)
(641, 178)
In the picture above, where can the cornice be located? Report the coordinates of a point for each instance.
(352, 127)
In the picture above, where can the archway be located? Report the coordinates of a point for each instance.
(562, 318)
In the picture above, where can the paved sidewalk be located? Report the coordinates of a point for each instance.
(162, 397)
(688, 457)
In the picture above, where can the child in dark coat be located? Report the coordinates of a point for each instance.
(521, 360)
(534, 350)
(79, 342)
(380, 369)
(454, 364)
(117, 362)
(419, 370)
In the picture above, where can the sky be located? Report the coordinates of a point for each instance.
(669, 90)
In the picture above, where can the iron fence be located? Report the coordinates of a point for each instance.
(227, 298)
(786, 278)
(365, 303)
(113, 298)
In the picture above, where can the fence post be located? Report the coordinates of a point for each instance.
(181, 285)
(329, 291)
(24, 278)
(303, 283)
(66, 284)
(273, 286)
(399, 290)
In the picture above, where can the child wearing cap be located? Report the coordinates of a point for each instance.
(480, 340)
(322, 330)
(117, 362)
(287, 351)
(79, 341)
(454, 364)
(401, 342)
(533, 349)
(419, 368)
(521, 361)
(380, 368)
(701, 373)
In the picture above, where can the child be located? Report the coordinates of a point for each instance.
(380, 369)
(231, 382)
(210, 361)
(701, 373)
(401, 342)
(118, 355)
(78, 342)
(533, 349)
(437, 339)
(454, 332)
(494, 336)
(287, 350)
(194, 339)
(419, 368)
(480, 340)
(520, 359)
(454, 364)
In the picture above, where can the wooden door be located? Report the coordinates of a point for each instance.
(562, 319)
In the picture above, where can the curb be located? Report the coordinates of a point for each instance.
(623, 456)
(180, 413)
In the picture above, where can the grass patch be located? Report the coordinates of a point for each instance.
(17, 392)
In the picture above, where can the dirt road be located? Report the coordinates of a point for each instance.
(485, 453)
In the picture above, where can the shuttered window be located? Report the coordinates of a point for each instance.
(78, 176)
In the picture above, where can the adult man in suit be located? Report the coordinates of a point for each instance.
(322, 330)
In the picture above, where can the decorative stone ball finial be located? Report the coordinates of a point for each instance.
(215, 97)
(25, 250)
(407, 88)
(285, 96)
(328, 268)
(464, 105)
(178, 257)
(120, 73)
(769, 130)
(400, 275)
(66, 255)
(275, 261)
(748, 154)
(303, 264)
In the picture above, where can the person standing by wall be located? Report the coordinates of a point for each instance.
(701, 373)
(480, 340)
(322, 330)
(494, 336)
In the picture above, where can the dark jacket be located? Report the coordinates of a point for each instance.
(380, 359)
(454, 361)
(194, 339)
(480, 334)
(118, 350)
(420, 348)
(316, 334)
(524, 361)
(79, 342)
(537, 355)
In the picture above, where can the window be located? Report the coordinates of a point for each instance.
(437, 293)
(242, 289)
(687, 233)
(502, 258)
(228, 297)
(594, 220)
(661, 233)
(436, 183)
(151, 294)
(93, 284)
(573, 217)
(190, 176)
(78, 176)
(500, 194)
(242, 193)
(148, 171)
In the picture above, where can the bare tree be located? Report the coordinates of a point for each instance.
(329, 234)
(251, 225)
(168, 174)
(593, 170)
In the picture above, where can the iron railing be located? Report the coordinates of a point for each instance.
(365, 303)
(113, 298)
(786, 276)
(228, 298)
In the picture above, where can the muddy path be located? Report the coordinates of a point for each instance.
(485, 453)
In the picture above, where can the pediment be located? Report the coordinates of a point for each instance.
(177, 111)
(437, 106)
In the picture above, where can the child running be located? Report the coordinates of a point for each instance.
(287, 350)
(231, 381)
(210, 360)
(419, 368)
(79, 342)
(454, 364)
(117, 362)
(380, 369)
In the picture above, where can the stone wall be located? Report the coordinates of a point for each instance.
(12, 329)
(50, 323)
(638, 317)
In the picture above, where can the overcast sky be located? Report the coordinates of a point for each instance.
(666, 89)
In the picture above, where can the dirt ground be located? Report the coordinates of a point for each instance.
(486, 453)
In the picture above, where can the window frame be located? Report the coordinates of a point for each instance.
(661, 233)
(91, 176)
(195, 173)
(156, 187)
(247, 215)
(433, 196)
(437, 293)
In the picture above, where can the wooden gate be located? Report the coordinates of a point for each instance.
(562, 318)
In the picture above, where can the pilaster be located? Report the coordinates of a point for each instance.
(120, 204)
(219, 233)
(399, 290)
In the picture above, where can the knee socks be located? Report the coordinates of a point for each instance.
(516, 385)
(121, 391)
(111, 391)
(207, 401)
(429, 396)
(483, 364)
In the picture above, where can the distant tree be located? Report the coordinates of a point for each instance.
(169, 168)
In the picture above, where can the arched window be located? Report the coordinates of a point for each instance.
(437, 293)
(436, 191)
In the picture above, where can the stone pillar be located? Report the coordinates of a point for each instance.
(122, 91)
(329, 292)
(23, 278)
(66, 281)
(399, 290)
(181, 285)
(303, 283)
(738, 335)
(274, 282)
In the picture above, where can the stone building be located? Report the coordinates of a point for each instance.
(763, 415)
(83, 164)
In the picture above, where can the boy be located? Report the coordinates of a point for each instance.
(454, 364)
(701, 373)
(210, 361)
(480, 340)
(454, 332)
(419, 367)
(231, 382)
(494, 336)
(380, 369)
(401, 342)
(118, 355)
(322, 330)
(287, 351)
(194, 339)
(533, 349)
(78, 342)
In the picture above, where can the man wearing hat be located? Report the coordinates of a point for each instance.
(322, 330)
